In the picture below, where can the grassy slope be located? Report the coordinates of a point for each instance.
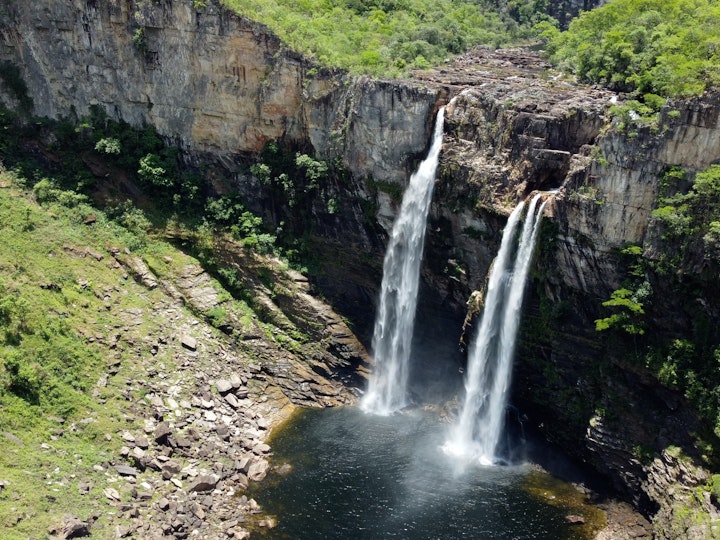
(67, 309)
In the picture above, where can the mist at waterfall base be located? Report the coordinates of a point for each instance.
(477, 433)
(359, 476)
(364, 476)
(387, 474)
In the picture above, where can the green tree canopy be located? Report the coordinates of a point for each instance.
(387, 37)
(665, 47)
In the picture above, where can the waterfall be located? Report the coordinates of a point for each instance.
(395, 318)
(489, 370)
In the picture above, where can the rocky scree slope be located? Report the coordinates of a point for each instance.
(185, 398)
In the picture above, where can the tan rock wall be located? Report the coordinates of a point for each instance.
(209, 80)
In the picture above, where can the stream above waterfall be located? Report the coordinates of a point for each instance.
(359, 476)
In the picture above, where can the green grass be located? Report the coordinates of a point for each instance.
(46, 367)
(55, 333)
(56, 327)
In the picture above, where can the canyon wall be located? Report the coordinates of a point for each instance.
(221, 87)
(208, 80)
(515, 129)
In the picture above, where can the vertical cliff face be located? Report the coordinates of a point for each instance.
(198, 76)
(633, 428)
(608, 200)
(209, 80)
(515, 129)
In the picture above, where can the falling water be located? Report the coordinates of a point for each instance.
(395, 318)
(478, 430)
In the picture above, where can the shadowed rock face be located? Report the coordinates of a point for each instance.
(221, 87)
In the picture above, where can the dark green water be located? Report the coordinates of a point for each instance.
(356, 476)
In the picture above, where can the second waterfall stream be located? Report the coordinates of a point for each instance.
(478, 430)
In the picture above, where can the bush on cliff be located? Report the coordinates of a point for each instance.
(665, 313)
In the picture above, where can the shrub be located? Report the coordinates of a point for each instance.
(140, 40)
(152, 171)
(687, 214)
(628, 307)
(108, 145)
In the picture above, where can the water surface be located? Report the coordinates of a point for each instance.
(359, 476)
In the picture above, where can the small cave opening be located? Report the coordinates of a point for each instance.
(546, 180)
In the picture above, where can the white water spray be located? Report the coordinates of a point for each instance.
(395, 319)
(482, 417)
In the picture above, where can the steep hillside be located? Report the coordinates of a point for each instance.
(136, 392)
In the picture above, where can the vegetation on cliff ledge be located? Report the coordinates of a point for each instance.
(666, 309)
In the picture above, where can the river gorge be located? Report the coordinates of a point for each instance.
(220, 88)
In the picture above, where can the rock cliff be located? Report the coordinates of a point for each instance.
(221, 87)
(515, 128)
(209, 80)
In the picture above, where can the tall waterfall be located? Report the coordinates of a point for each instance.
(489, 371)
(395, 317)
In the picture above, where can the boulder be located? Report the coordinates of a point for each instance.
(243, 464)
(204, 482)
(172, 467)
(189, 342)
(236, 380)
(71, 527)
(223, 386)
(111, 494)
(125, 470)
(258, 470)
(162, 431)
(13, 438)
(142, 442)
(232, 401)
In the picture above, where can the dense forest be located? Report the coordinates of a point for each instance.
(668, 48)
(390, 37)
(645, 46)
